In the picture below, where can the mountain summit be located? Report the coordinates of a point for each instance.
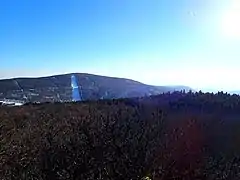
(59, 88)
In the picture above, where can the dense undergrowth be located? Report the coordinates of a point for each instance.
(170, 136)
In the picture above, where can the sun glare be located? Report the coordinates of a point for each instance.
(231, 21)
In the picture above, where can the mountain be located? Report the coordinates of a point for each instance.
(179, 88)
(91, 87)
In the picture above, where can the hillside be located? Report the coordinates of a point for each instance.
(169, 136)
(92, 87)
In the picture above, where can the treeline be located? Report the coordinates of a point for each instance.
(170, 136)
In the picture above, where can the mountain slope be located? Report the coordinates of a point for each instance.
(91, 87)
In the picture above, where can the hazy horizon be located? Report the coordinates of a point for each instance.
(169, 85)
(172, 42)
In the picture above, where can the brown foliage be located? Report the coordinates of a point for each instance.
(121, 139)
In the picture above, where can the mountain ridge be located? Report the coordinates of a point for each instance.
(93, 87)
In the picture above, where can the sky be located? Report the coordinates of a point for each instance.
(158, 42)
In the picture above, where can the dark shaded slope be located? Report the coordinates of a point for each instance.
(53, 88)
(101, 87)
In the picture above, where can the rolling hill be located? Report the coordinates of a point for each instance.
(92, 87)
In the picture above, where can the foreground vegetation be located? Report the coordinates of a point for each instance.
(170, 136)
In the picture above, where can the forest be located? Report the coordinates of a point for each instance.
(172, 136)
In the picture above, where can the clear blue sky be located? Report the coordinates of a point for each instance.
(160, 42)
